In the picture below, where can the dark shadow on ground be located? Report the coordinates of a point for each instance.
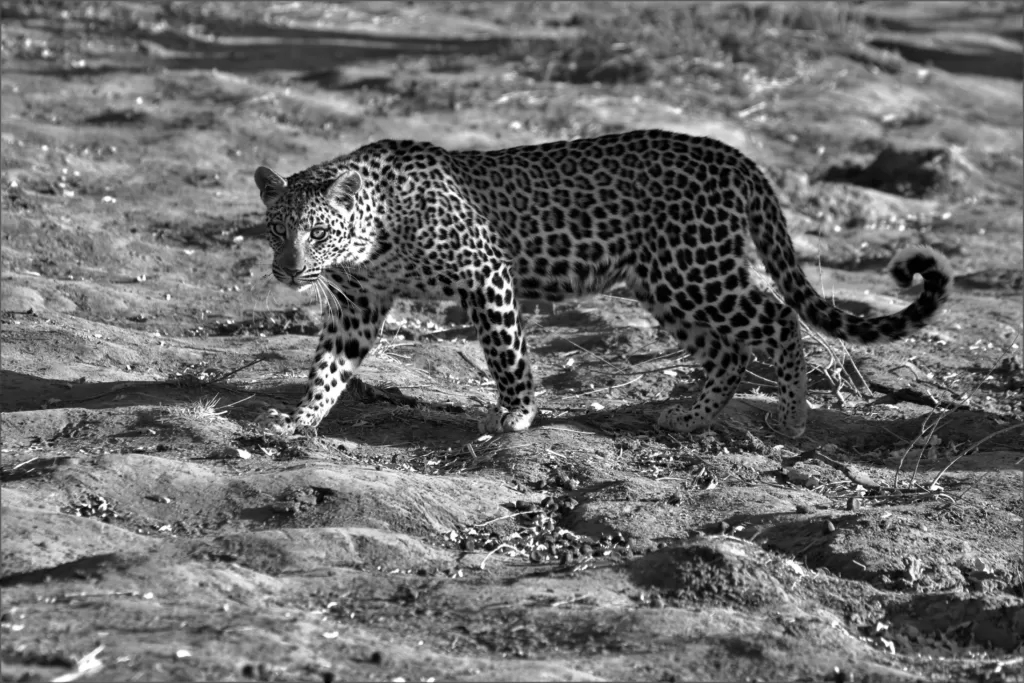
(247, 47)
(21, 392)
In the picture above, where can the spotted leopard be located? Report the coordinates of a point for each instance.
(666, 213)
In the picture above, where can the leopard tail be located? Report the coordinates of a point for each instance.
(771, 238)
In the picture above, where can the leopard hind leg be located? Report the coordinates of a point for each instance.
(773, 328)
(724, 360)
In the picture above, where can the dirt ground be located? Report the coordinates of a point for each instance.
(149, 532)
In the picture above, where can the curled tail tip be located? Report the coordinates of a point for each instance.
(937, 272)
(933, 266)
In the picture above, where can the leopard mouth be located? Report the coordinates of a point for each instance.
(299, 283)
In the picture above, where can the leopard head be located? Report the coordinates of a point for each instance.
(314, 222)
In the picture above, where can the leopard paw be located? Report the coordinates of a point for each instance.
(498, 420)
(273, 421)
(792, 428)
(676, 419)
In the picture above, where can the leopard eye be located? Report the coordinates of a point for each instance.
(277, 229)
(318, 233)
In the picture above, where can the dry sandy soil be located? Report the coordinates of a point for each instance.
(149, 532)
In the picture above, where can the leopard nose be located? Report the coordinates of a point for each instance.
(291, 272)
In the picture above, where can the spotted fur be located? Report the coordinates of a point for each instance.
(664, 212)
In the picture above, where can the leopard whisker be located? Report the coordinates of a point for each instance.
(322, 289)
(319, 296)
(334, 303)
(318, 290)
(329, 301)
(343, 297)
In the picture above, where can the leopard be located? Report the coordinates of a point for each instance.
(664, 213)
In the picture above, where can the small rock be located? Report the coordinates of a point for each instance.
(829, 526)
(853, 503)
(233, 453)
(841, 676)
(801, 478)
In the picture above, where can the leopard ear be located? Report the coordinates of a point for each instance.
(270, 184)
(342, 191)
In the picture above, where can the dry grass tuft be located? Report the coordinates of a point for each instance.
(206, 411)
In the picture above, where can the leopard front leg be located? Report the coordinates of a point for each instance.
(492, 307)
(348, 334)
